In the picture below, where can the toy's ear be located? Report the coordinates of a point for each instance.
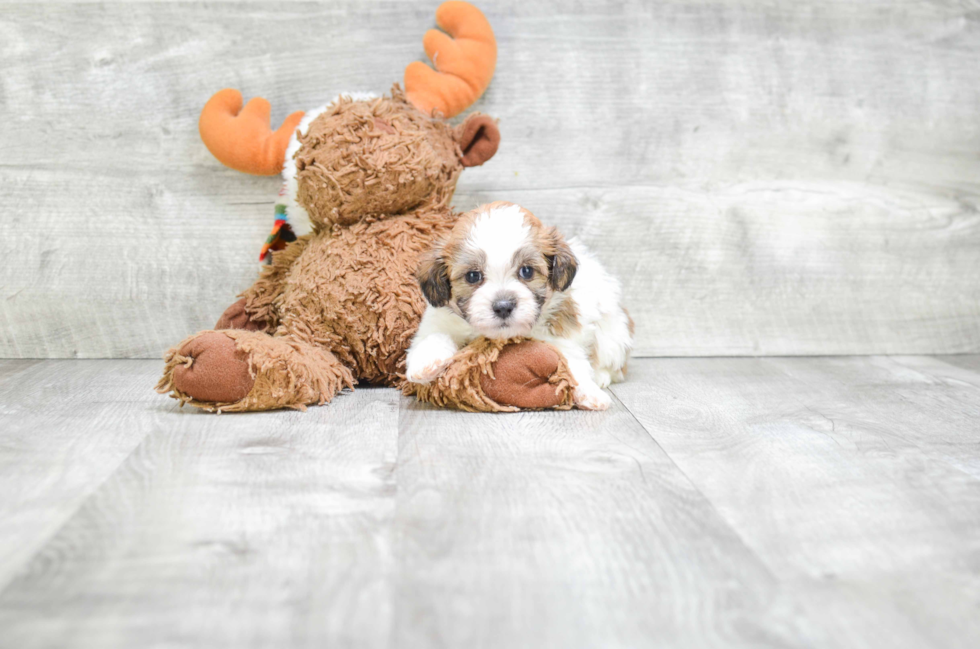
(478, 139)
(562, 264)
(433, 276)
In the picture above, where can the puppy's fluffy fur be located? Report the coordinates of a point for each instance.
(501, 273)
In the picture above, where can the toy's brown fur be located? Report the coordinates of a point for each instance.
(342, 303)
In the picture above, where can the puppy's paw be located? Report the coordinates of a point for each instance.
(603, 378)
(591, 397)
(428, 357)
(428, 371)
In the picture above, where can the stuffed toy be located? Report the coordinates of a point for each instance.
(367, 189)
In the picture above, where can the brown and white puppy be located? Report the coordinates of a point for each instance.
(501, 273)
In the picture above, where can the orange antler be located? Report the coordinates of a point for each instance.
(244, 140)
(465, 62)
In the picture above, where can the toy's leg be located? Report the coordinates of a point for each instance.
(236, 370)
(501, 376)
(236, 317)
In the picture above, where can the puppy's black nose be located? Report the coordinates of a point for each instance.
(503, 308)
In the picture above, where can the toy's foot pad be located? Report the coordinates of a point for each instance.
(217, 371)
(522, 373)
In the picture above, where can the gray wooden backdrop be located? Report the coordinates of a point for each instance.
(765, 177)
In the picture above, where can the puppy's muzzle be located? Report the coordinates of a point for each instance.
(504, 306)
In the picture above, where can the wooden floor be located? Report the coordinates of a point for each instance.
(784, 502)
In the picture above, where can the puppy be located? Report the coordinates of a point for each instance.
(501, 273)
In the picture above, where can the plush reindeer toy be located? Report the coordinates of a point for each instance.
(367, 189)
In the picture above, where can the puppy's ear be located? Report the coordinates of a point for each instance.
(433, 276)
(562, 263)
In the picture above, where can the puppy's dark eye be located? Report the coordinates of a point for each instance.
(474, 277)
(525, 272)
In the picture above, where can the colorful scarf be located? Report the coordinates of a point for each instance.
(281, 235)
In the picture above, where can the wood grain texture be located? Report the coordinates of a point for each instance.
(844, 489)
(65, 430)
(805, 502)
(969, 362)
(766, 178)
(271, 529)
(566, 529)
(917, 400)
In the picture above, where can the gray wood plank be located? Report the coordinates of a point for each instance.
(970, 362)
(261, 530)
(767, 178)
(64, 428)
(763, 502)
(12, 368)
(567, 529)
(910, 400)
(874, 535)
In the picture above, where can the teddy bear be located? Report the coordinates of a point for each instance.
(367, 187)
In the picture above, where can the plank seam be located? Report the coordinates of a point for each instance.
(43, 543)
(763, 565)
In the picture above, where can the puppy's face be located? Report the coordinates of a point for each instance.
(497, 269)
